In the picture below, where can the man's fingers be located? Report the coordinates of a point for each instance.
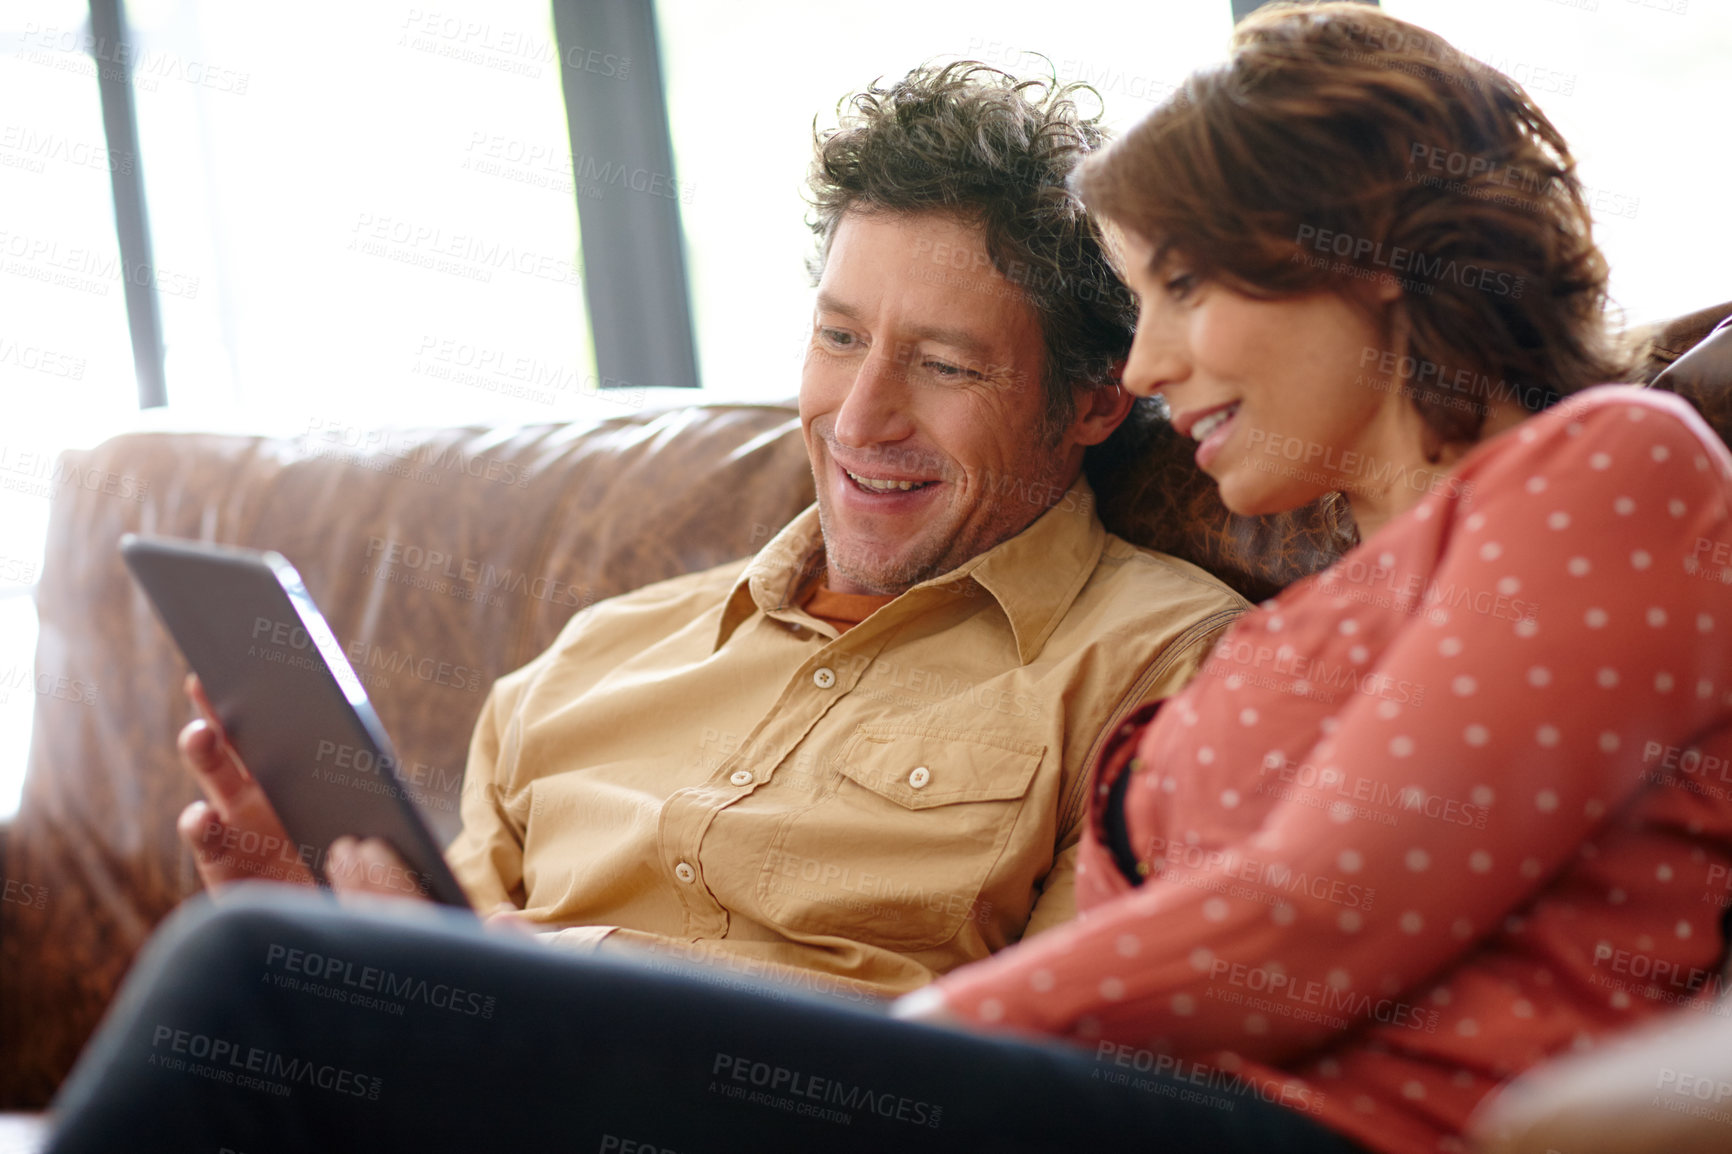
(200, 829)
(205, 758)
(928, 1005)
(213, 765)
(227, 851)
(370, 867)
(204, 833)
(509, 918)
(343, 860)
(195, 693)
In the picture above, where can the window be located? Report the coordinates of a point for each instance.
(360, 215)
(746, 78)
(66, 375)
(1627, 81)
(370, 208)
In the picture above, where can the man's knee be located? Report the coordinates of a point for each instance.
(244, 926)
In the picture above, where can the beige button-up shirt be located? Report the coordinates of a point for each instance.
(702, 767)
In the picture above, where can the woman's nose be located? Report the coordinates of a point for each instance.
(1156, 360)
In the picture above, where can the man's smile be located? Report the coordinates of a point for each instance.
(885, 485)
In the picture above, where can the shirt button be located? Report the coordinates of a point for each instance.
(685, 872)
(920, 777)
(823, 677)
(741, 777)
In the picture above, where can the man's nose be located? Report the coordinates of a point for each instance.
(876, 409)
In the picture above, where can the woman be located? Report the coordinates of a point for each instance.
(1425, 814)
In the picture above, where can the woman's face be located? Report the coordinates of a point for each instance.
(1285, 398)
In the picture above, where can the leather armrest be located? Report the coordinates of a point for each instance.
(1667, 1088)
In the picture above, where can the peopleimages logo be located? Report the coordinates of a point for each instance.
(1342, 1000)
(1365, 252)
(42, 474)
(1660, 974)
(1347, 470)
(1307, 676)
(386, 556)
(1211, 1078)
(1332, 782)
(60, 688)
(373, 980)
(25, 894)
(1275, 879)
(807, 1090)
(222, 1060)
(1418, 592)
(882, 895)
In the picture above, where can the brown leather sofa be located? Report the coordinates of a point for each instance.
(443, 558)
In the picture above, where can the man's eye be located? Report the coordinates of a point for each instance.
(837, 338)
(949, 371)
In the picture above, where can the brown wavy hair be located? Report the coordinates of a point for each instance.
(1338, 146)
(976, 142)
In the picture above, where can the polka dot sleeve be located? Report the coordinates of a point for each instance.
(1526, 636)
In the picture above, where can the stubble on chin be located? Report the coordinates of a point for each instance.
(882, 573)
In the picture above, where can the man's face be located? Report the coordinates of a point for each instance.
(922, 403)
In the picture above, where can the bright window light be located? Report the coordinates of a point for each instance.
(747, 78)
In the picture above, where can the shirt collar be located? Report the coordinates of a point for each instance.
(1034, 577)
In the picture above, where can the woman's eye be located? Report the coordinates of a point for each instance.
(1181, 285)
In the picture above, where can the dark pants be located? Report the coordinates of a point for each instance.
(280, 1022)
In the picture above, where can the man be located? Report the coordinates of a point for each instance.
(893, 706)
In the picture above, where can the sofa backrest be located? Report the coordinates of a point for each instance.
(1701, 375)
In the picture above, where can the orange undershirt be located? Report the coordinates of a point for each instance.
(843, 610)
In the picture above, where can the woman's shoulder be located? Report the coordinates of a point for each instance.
(1617, 435)
(1620, 413)
(1615, 464)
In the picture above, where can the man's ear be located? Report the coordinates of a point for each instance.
(1100, 410)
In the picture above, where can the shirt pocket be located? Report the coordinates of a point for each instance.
(896, 854)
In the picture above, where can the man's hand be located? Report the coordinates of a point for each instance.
(234, 834)
(370, 867)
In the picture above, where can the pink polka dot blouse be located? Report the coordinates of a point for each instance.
(1457, 804)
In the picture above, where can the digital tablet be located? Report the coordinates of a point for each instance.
(292, 706)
